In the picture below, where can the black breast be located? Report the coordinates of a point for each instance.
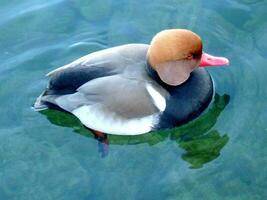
(188, 100)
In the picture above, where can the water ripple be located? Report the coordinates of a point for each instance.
(21, 10)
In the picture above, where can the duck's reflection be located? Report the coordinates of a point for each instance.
(200, 141)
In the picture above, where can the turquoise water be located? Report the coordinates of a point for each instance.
(50, 155)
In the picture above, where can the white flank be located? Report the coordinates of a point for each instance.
(96, 118)
(158, 99)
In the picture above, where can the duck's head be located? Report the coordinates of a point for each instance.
(175, 53)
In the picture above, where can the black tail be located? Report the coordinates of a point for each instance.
(39, 104)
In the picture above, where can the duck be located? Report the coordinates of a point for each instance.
(134, 89)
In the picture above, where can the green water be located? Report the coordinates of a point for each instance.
(50, 155)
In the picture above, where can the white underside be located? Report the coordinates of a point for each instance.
(94, 117)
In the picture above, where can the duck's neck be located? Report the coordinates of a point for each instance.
(154, 75)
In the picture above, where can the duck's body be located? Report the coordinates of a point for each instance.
(117, 91)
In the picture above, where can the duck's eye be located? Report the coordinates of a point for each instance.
(190, 56)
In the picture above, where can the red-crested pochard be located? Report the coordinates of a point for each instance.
(135, 88)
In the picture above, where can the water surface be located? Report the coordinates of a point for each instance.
(50, 155)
